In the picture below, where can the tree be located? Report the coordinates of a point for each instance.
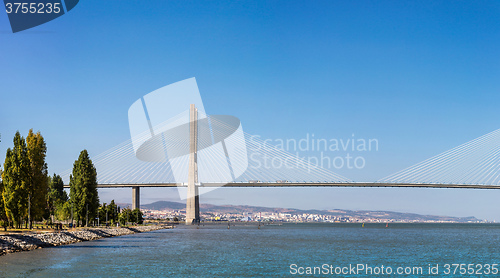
(3, 215)
(125, 216)
(113, 212)
(57, 196)
(38, 180)
(63, 211)
(102, 213)
(56, 189)
(108, 211)
(83, 189)
(137, 216)
(16, 181)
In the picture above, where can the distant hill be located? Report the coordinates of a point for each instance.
(124, 205)
(361, 214)
(164, 205)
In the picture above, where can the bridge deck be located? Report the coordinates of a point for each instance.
(305, 184)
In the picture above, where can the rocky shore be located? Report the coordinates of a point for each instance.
(28, 241)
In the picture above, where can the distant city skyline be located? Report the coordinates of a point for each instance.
(420, 78)
(170, 210)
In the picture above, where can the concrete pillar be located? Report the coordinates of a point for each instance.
(136, 195)
(193, 201)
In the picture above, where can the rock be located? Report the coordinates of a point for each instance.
(26, 242)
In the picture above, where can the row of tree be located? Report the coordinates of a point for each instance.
(127, 215)
(28, 193)
(24, 180)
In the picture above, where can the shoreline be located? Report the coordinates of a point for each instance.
(11, 243)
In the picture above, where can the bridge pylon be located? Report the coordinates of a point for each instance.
(136, 197)
(193, 199)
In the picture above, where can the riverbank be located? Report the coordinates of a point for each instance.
(10, 243)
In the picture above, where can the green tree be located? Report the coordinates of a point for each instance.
(137, 216)
(38, 180)
(110, 210)
(83, 189)
(16, 181)
(63, 211)
(125, 216)
(57, 196)
(113, 212)
(3, 215)
(102, 213)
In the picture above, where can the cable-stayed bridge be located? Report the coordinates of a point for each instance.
(213, 151)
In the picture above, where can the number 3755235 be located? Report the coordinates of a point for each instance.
(33, 8)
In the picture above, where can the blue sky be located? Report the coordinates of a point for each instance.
(420, 77)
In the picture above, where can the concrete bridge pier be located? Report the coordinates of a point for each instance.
(136, 201)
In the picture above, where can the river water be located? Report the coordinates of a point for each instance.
(273, 251)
